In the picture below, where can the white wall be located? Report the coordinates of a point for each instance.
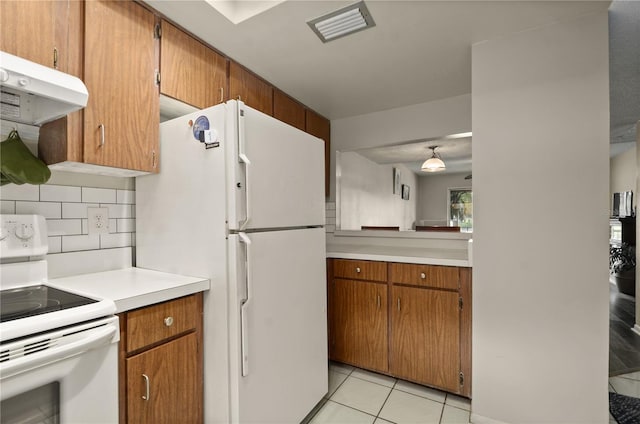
(623, 172)
(433, 194)
(367, 198)
(394, 126)
(540, 295)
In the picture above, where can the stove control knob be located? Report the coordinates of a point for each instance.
(24, 232)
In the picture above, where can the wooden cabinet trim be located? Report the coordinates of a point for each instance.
(158, 323)
(465, 328)
(254, 91)
(360, 270)
(436, 276)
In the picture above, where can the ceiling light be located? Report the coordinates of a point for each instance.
(434, 163)
(342, 22)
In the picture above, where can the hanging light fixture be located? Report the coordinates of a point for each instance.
(434, 163)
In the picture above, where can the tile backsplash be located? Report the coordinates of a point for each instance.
(65, 209)
(330, 217)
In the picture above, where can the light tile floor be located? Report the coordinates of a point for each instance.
(358, 396)
(625, 384)
(361, 397)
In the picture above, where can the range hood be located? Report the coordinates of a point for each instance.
(33, 94)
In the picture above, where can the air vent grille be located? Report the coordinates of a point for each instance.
(342, 22)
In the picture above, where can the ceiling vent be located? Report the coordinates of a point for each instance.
(339, 23)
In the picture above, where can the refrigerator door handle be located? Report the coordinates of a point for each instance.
(243, 158)
(244, 308)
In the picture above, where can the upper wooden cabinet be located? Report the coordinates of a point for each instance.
(320, 127)
(119, 127)
(288, 110)
(190, 71)
(252, 90)
(122, 118)
(37, 31)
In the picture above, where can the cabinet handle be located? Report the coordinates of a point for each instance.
(101, 126)
(153, 159)
(146, 395)
(423, 275)
(358, 269)
(378, 301)
(168, 321)
(221, 94)
(55, 58)
(398, 304)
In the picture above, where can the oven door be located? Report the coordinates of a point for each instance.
(64, 376)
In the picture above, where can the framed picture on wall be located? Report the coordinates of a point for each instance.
(396, 181)
(405, 192)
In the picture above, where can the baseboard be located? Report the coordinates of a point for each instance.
(636, 329)
(479, 419)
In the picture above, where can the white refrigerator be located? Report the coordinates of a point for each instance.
(239, 199)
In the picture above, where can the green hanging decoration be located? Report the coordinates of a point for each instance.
(18, 165)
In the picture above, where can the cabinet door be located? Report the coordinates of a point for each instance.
(288, 110)
(191, 72)
(425, 336)
(320, 127)
(359, 333)
(253, 91)
(122, 117)
(28, 29)
(164, 384)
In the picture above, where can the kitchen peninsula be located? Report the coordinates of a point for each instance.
(399, 303)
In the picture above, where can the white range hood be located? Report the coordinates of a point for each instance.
(33, 94)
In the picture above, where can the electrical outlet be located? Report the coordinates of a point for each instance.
(98, 220)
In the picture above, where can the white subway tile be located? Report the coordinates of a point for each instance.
(126, 197)
(20, 192)
(330, 206)
(330, 213)
(58, 193)
(330, 221)
(98, 195)
(76, 210)
(50, 210)
(330, 228)
(120, 211)
(126, 225)
(85, 226)
(75, 243)
(55, 244)
(64, 227)
(7, 207)
(108, 241)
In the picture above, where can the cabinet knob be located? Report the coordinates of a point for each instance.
(168, 321)
(423, 275)
(358, 269)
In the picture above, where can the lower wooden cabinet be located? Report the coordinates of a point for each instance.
(425, 336)
(406, 320)
(160, 367)
(360, 324)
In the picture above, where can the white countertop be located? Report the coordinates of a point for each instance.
(414, 255)
(132, 288)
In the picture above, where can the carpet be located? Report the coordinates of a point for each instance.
(625, 409)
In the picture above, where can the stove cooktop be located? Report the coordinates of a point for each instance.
(23, 302)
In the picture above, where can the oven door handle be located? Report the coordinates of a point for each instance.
(91, 340)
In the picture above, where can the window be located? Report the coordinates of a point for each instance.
(460, 210)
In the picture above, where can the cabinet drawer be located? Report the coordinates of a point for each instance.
(156, 323)
(444, 277)
(360, 270)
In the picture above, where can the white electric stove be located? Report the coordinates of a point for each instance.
(58, 348)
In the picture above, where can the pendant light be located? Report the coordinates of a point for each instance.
(434, 163)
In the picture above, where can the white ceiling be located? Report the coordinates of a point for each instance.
(419, 50)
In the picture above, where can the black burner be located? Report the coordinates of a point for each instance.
(24, 302)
